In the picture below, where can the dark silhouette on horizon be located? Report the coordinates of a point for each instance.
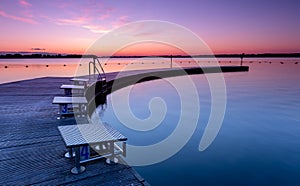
(241, 56)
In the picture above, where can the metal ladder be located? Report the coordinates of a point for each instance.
(96, 75)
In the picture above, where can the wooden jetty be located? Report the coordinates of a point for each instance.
(31, 148)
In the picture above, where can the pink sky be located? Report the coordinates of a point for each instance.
(256, 26)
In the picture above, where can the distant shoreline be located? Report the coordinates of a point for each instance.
(263, 55)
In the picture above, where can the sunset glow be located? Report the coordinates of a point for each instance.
(226, 27)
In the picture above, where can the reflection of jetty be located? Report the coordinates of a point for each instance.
(118, 80)
(124, 79)
(31, 146)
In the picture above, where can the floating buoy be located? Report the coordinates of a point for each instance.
(281, 62)
(80, 64)
(270, 62)
(105, 63)
(6, 67)
(259, 62)
(26, 66)
(296, 63)
(119, 63)
(47, 65)
(65, 65)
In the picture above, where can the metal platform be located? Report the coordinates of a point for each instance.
(81, 138)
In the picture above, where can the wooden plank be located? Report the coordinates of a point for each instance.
(121, 177)
(95, 169)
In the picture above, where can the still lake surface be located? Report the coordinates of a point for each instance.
(258, 143)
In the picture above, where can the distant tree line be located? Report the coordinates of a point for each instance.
(16, 56)
(264, 55)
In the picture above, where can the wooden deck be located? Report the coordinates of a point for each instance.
(31, 148)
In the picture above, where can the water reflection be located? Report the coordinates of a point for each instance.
(259, 142)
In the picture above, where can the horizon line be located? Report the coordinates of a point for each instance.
(63, 55)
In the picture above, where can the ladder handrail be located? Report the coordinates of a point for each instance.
(95, 69)
(100, 66)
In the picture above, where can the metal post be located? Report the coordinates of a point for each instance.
(111, 159)
(94, 67)
(77, 169)
(242, 56)
(59, 111)
(171, 61)
(112, 150)
(70, 153)
(124, 149)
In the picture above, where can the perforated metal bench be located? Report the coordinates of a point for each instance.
(71, 106)
(80, 81)
(91, 142)
(75, 90)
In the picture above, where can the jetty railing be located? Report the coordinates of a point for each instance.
(94, 70)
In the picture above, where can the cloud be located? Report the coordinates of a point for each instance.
(37, 49)
(74, 21)
(83, 23)
(91, 15)
(24, 3)
(96, 29)
(91, 23)
(18, 18)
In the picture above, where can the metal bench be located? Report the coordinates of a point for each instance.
(71, 106)
(80, 81)
(91, 142)
(75, 90)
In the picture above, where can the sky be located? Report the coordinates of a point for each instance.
(232, 26)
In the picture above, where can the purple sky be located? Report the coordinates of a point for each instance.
(250, 26)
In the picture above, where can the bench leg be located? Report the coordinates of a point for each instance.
(70, 153)
(68, 92)
(112, 158)
(59, 111)
(82, 110)
(77, 169)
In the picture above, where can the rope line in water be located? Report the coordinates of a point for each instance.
(181, 62)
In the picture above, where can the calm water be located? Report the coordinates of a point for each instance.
(259, 141)
(19, 69)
